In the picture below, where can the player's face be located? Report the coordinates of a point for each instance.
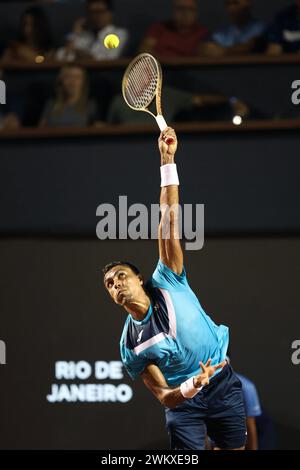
(185, 13)
(236, 6)
(99, 15)
(123, 285)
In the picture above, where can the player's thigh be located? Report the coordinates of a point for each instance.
(228, 431)
(186, 430)
(226, 423)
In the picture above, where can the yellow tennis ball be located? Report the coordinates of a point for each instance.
(111, 41)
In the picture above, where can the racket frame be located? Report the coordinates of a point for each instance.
(157, 95)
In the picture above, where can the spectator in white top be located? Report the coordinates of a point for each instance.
(86, 39)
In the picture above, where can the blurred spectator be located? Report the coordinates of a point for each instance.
(71, 105)
(284, 32)
(86, 39)
(179, 37)
(260, 428)
(175, 102)
(34, 41)
(244, 34)
(253, 409)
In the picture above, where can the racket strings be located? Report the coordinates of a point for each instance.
(142, 83)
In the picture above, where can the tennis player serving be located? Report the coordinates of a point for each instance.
(169, 340)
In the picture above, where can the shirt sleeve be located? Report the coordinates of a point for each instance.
(252, 403)
(220, 38)
(135, 367)
(124, 40)
(164, 277)
(133, 364)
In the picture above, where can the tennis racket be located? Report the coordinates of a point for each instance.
(142, 83)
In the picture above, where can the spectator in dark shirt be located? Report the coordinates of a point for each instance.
(284, 32)
(244, 34)
(260, 427)
(71, 106)
(34, 42)
(179, 37)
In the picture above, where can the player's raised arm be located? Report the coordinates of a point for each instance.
(170, 251)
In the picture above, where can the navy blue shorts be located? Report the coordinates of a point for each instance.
(217, 411)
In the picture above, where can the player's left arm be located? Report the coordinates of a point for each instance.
(170, 251)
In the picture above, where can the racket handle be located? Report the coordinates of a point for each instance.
(163, 125)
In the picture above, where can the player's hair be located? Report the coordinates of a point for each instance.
(112, 264)
(109, 3)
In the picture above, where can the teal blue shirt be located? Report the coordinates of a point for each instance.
(176, 333)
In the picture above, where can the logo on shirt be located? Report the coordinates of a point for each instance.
(140, 337)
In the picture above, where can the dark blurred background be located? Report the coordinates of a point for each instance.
(68, 144)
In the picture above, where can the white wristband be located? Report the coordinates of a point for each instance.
(169, 175)
(188, 390)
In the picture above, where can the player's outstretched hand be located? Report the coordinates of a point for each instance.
(164, 148)
(207, 372)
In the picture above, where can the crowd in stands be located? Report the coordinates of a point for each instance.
(183, 35)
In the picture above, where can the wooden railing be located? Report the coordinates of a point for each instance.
(255, 59)
(129, 130)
